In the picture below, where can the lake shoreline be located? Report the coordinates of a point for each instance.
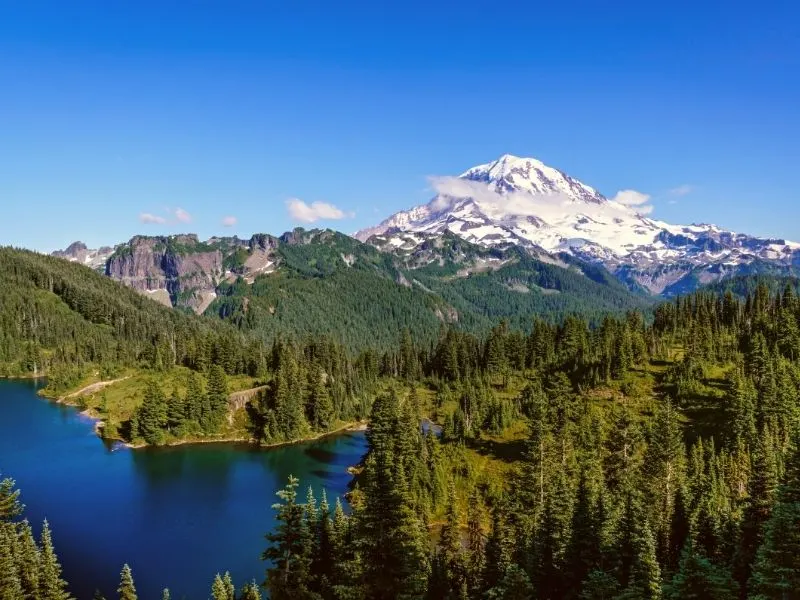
(346, 428)
(99, 425)
(70, 400)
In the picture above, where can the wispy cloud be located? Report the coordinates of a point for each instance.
(309, 213)
(550, 207)
(682, 190)
(182, 215)
(151, 219)
(635, 200)
(229, 221)
(169, 215)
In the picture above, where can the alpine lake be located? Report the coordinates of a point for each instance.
(177, 515)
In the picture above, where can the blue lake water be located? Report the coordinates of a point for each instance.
(176, 515)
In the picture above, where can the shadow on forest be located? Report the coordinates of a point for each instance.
(509, 451)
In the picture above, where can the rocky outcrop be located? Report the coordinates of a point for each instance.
(78, 252)
(185, 268)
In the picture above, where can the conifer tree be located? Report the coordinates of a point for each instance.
(776, 573)
(10, 505)
(499, 550)
(230, 589)
(699, 579)
(679, 531)
(583, 554)
(222, 588)
(195, 399)
(10, 585)
(250, 591)
(151, 416)
(452, 568)
(638, 571)
(126, 589)
(322, 564)
(28, 562)
(395, 550)
(476, 544)
(515, 585)
(289, 575)
(761, 490)
(320, 406)
(664, 466)
(176, 412)
(165, 595)
(216, 398)
(51, 585)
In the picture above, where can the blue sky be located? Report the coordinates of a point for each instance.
(113, 111)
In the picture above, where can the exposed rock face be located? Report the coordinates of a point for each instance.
(187, 269)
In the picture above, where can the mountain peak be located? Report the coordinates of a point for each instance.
(511, 173)
(514, 200)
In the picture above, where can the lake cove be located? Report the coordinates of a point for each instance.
(177, 515)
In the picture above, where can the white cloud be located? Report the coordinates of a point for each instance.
(229, 221)
(631, 198)
(149, 219)
(637, 201)
(309, 213)
(182, 215)
(550, 207)
(682, 190)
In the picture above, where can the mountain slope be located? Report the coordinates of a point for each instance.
(328, 283)
(363, 295)
(54, 312)
(523, 202)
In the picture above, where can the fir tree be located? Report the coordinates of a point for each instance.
(777, 567)
(250, 591)
(515, 585)
(476, 544)
(28, 561)
(10, 585)
(289, 552)
(51, 585)
(151, 416)
(216, 399)
(222, 588)
(583, 554)
(761, 492)
(10, 505)
(698, 579)
(126, 589)
(499, 550)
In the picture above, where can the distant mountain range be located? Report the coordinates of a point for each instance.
(521, 201)
(507, 239)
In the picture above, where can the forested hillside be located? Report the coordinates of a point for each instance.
(68, 322)
(642, 458)
(329, 283)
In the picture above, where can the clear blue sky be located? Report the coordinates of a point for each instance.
(110, 110)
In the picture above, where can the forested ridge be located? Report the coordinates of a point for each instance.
(647, 456)
(331, 284)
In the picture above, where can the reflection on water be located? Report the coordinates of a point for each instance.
(177, 515)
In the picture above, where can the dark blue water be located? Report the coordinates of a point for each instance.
(177, 515)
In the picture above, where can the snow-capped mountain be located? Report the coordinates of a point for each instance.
(78, 252)
(522, 201)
